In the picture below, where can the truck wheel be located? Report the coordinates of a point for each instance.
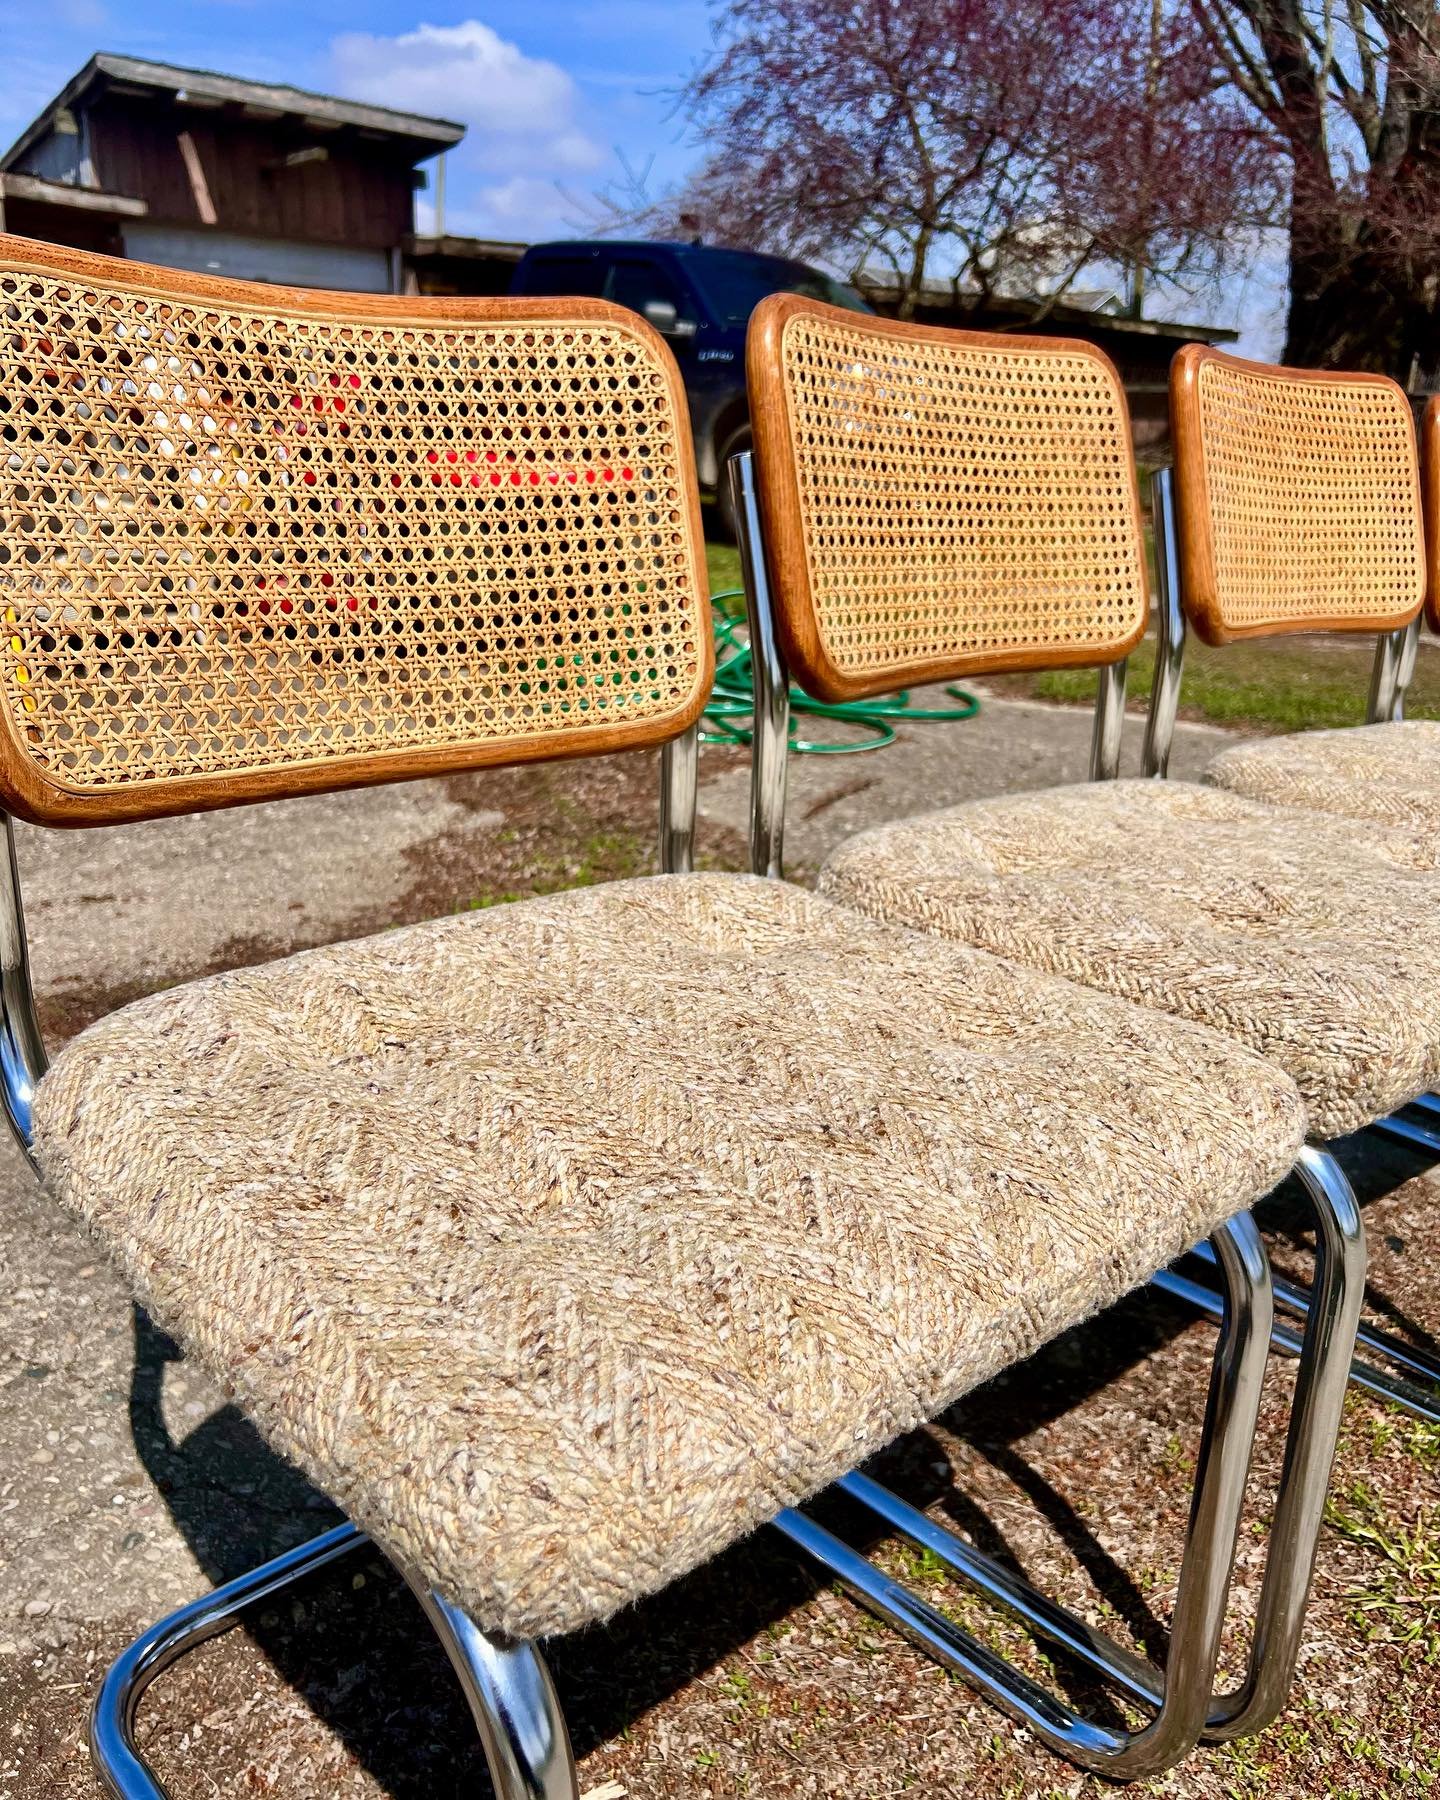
(738, 440)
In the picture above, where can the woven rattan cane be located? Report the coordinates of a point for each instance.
(256, 541)
(938, 502)
(1299, 499)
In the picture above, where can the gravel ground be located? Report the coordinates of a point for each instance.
(127, 1485)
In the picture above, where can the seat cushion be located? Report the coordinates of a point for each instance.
(566, 1242)
(1277, 927)
(1386, 773)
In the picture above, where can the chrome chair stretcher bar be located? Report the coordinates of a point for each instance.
(1323, 1347)
(1417, 1388)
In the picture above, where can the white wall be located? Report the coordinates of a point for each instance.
(259, 259)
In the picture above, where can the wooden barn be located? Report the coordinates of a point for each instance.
(207, 172)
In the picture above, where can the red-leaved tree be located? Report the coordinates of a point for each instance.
(1006, 145)
(1349, 92)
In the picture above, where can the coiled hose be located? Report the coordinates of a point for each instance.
(733, 699)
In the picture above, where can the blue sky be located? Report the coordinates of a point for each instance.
(551, 91)
(555, 93)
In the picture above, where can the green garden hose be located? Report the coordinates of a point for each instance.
(733, 699)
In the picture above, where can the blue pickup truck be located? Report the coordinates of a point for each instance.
(700, 298)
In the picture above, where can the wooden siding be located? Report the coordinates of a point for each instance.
(361, 195)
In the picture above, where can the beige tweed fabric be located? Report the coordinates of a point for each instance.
(1386, 773)
(1278, 927)
(565, 1242)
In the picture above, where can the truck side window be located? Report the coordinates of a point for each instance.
(634, 280)
(557, 276)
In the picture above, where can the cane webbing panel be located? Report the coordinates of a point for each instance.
(941, 501)
(242, 536)
(1300, 499)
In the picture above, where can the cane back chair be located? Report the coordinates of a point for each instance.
(1296, 496)
(1295, 506)
(976, 494)
(923, 503)
(530, 1239)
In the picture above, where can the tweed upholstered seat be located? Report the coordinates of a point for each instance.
(1386, 773)
(1278, 928)
(564, 1243)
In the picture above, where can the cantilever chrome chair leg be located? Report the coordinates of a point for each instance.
(1182, 1693)
(507, 1685)
(513, 1704)
(1395, 654)
(1325, 1357)
(770, 739)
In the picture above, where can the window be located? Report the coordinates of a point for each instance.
(736, 281)
(636, 279)
(559, 276)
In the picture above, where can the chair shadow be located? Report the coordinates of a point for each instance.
(1375, 1166)
(236, 1504)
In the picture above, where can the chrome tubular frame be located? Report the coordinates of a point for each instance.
(1170, 630)
(1394, 665)
(513, 1703)
(770, 734)
(1410, 1130)
(123, 1772)
(1429, 1105)
(1332, 1315)
(1182, 1693)
(507, 1685)
(22, 1049)
(679, 791)
(1109, 722)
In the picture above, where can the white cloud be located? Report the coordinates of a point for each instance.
(522, 112)
(466, 72)
(520, 204)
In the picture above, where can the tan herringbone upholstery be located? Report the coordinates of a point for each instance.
(564, 1243)
(1279, 928)
(1386, 773)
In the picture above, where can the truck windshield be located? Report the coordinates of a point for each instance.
(735, 283)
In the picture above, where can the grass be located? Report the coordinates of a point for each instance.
(1400, 1602)
(1285, 684)
(723, 562)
